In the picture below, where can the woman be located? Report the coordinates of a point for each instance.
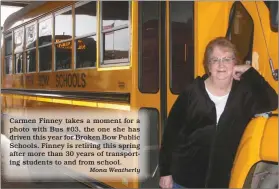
(207, 120)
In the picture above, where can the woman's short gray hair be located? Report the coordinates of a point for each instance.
(223, 43)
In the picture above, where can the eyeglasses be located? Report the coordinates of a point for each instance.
(225, 60)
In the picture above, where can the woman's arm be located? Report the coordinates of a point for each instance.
(264, 97)
(171, 132)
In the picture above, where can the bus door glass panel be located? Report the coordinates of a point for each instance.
(182, 45)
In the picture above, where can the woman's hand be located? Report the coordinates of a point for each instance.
(238, 70)
(166, 182)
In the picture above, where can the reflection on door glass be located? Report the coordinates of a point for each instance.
(242, 32)
(182, 45)
(149, 35)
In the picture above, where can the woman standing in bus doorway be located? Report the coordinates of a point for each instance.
(207, 120)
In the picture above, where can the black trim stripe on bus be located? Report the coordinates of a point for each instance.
(79, 95)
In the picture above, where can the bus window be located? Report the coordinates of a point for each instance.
(63, 54)
(241, 32)
(45, 48)
(85, 35)
(30, 54)
(115, 38)
(18, 50)
(86, 20)
(63, 24)
(149, 47)
(63, 36)
(182, 44)
(8, 54)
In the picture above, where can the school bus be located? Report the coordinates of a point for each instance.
(139, 55)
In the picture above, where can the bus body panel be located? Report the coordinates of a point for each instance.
(248, 152)
(269, 144)
(257, 144)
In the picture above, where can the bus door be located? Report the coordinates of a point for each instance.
(180, 52)
(165, 67)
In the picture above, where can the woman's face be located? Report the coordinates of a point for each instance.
(221, 63)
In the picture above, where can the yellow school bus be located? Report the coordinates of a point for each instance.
(87, 55)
